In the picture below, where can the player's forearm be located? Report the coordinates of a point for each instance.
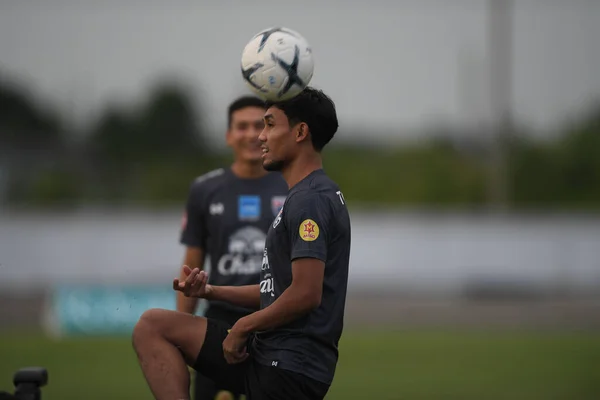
(186, 304)
(291, 305)
(243, 296)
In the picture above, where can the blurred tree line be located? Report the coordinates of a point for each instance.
(150, 154)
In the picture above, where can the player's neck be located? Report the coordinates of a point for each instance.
(247, 170)
(301, 168)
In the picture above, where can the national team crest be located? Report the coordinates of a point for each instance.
(309, 230)
(277, 204)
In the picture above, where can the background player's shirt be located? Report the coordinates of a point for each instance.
(314, 223)
(228, 217)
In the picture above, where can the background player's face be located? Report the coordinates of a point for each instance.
(277, 140)
(242, 136)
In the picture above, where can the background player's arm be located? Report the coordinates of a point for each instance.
(194, 235)
(301, 297)
(244, 296)
(194, 258)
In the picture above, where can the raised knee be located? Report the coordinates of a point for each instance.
(147, 325)
(152, 316)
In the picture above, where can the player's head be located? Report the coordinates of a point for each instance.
(304, 123)
(245, 122)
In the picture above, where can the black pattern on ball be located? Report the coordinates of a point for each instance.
(247, 74)
(266, 34)
(291, 69)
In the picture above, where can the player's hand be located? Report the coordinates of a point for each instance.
(234, 347)
(195, 283)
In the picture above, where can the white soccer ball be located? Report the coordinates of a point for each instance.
(277, 64)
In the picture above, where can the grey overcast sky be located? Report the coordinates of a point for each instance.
(389, 65)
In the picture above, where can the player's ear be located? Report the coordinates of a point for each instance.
(301, 132)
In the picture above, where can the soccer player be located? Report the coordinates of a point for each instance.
(228, 213)
(289, 348)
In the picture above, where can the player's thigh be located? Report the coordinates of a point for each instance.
(184, 331)
(211, 361)
(272, 383)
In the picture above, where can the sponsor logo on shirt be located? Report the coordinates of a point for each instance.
(216, 209)
(277, 204)
(244, 253)
(249, 208)
(278, 219)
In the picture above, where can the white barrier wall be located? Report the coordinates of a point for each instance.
(398, 250)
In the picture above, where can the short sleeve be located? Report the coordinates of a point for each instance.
(193, 227)
(308, 221)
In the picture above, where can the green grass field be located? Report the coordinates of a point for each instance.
(373, 365)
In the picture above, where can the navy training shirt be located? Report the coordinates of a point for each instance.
(228, 217)
(314, 223)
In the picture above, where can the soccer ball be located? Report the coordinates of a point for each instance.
(277, 64)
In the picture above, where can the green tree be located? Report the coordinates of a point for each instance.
(24, 124)
(564, 172)
(167, 125)
(579, 154)
(114, 138)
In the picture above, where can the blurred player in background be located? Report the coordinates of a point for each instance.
(227, 216)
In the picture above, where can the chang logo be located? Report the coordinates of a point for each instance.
(267, 286)
(278, 218)
(265, 261)
(245, 252)
(267, 283)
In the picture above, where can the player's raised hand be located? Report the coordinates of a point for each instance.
(194, 285)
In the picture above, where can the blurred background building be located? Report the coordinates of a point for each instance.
(468, 151)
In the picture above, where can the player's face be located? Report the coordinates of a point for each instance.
(277, 140)
(242, 136)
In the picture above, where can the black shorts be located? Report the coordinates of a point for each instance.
(204, 387)
(256, 381)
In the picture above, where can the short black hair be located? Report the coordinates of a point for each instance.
(314, 108)
(243, 102)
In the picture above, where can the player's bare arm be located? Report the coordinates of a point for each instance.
(195, 286)
(194, 259)
(244, 296)
(300, 298)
